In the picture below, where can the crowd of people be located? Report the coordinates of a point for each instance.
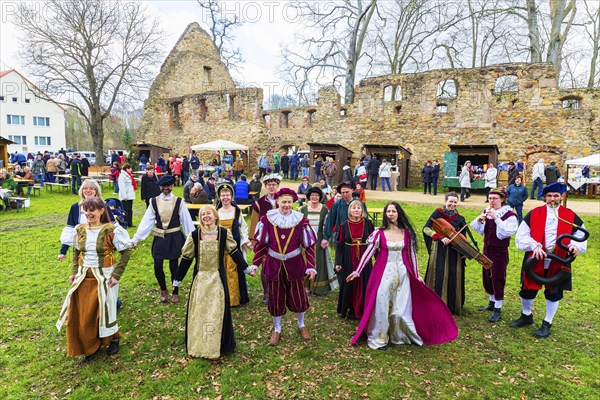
(374, 269)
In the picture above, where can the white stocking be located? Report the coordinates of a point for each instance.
(551, 309)
(527, 305)
(277, 324)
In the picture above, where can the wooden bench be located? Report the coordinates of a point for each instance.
(37, 189)
(63, 186)
(18, 201)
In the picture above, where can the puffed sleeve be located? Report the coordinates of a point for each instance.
(121, 239)
(372, 245)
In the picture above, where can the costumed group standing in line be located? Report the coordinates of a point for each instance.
(392, 303)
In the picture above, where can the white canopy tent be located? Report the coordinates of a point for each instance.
(220, 145)
(591, 161)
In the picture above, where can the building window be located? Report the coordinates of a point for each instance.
(397, 109)
(15, 119)
(14, 99)
(1, 98)
(310, 115)
(41, 121)
(447, 89)
(343, 112)
(207, 75)
(571, 103)
(441, 108)
(392, 93)
(284, 122)
(175, 120)
(22, 140)
(267, 119)
(230, 106)
(43, 141)
(27, 101)
(506, 84)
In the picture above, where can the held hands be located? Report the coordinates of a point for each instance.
(311, 273)
(249, 246)
(71, 279)
(112, 282)
(324, 243)
(251, 270)
(61, 257)
(352, 276)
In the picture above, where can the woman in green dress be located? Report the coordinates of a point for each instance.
(316, 212)
(209, 328)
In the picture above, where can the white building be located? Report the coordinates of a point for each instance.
(28, 116)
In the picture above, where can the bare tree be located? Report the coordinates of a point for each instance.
(90, 57)
(332, 46)
(592, 29)
(221, 26)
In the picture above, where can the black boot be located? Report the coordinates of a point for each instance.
(544, 330)
(489, 307)
(524, 320)
(113, 347)
(496, 315)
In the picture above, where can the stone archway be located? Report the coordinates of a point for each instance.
(548, 153)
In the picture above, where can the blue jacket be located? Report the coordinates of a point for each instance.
(241, 189)
(294, 160)
(516, 195)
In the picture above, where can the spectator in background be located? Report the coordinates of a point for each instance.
(61, 167)
(330, 171)
(347, 173)
(194, 163)
(552, 173)
(143, 162)
(115, 171)
(7, 187)
(238, 167)
(242, 188)
(85, 165)
(538, 178)
(513, 172)
(210, 189)
(385, 172)
(114, 157)
(435, 175)
(76, 169)
(285, 166)
(127, 188)
(263, 164)
(161, 163)
(255, 187)
(303, 189)
(362, 196)
(276, 162)
(198, 196)
(39, 170)
(517, 194)
(305, 165)
(294, 164)
(185, 169)
(318, 166)
(491, 180)
(465, 181)
(51, 169)
(373, 171)
(426, 173)
(149, 185)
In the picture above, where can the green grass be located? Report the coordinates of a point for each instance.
(487, 360)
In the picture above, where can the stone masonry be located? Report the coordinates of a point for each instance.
(517, 107)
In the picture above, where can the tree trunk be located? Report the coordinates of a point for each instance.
(534, 32)
(97, 133)
(596, 48)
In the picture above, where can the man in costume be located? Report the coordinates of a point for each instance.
(536, 236)
(259, 209)
(285, 249)
(497, 224)
(165, 218)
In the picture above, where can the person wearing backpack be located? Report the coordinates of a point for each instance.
(330, 170)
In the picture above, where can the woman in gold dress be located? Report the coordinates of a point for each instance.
(231, 218)
(209, 328)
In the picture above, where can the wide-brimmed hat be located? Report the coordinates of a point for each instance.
(317, 190)
(556, 187)
(166, 180)
(286, 192)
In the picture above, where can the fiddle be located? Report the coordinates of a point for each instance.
(460, 242)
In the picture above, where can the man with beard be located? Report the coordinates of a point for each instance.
(165, 218)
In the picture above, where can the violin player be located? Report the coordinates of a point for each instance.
(537, 237)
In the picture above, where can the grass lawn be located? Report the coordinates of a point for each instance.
(490, 361)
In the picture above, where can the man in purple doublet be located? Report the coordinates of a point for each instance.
(497, 224)
(285, 249)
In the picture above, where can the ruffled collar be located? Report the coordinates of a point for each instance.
(503, 210)
(284, 221)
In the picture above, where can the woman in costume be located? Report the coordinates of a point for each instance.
(399, 307)
(351, 244)
(446, 267)
(88, 189)
(91, 304)
(316, 212)
(209, 328)
(231, 218)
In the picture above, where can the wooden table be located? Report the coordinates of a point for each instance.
(375, 214)
(22, 183)
(191, 206)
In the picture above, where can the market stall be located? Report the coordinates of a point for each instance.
(398, 156)
(4, 151)
(223, 146)
(150, 150)
(340, 154)
(480, 155)
(582, 173)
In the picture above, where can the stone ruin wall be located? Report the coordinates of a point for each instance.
(525, 125)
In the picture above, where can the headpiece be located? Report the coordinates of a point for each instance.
(317, 190)
(556, 187)
(166, 180)
(500, 192)
(286, 192)
(272, 177)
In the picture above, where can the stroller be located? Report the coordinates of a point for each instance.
(117, 211)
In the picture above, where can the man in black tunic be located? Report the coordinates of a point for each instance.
(165, 218)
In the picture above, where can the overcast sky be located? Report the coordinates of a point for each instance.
(268, 24)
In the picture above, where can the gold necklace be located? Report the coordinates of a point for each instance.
(207, 232)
